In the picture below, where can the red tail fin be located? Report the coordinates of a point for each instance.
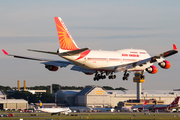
(145, 103)
(65, 39)
(175, 102)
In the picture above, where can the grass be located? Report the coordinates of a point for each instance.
(102, 116)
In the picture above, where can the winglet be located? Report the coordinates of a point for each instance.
(4, 52)
(174, 47)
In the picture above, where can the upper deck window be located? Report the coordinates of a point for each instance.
(142, 52)
(133, 52)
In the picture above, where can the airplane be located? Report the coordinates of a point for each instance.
(54, 111)
(157, 107)
(169, 106)
(101, 63)
(77, 108)
(141, 107)
(104, 109)
(80, 109)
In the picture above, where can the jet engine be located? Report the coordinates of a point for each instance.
(152, 69)
(51, 67)
(165, 64)
(88, 73)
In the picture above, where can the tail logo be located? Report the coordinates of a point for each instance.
(65, 39)
(175, 101)
(145, 103)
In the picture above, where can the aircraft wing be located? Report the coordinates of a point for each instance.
(157, 58)
(43, 61)
(80, 69)
(55, 62)
(74, 52)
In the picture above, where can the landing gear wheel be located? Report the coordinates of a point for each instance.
(126, 75)
(142, 77)
(125, 78)
(114, 76)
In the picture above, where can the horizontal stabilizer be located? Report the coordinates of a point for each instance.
(55, 53)
(74, 52)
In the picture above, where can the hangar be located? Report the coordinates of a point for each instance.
(96, 96)
(12, 103)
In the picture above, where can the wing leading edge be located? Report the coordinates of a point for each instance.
(43, 61)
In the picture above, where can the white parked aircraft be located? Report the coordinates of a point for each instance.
(78, 108)
(54, 111)
(104, 109)
(99, 62)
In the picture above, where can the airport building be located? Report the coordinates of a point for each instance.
(96, 96)
(2, 95)
(12, 103)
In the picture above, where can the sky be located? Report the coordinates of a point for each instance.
(103, 24)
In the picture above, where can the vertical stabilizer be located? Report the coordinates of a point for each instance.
(40, 104)
(175, 102)
(65, 39)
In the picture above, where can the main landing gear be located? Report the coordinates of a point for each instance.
(101, 75)
(126, 75)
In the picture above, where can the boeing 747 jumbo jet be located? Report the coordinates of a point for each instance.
(98, 62)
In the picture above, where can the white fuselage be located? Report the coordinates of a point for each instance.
(108, 60)
(105, 109)
(140, 107)
(55, 110)
(81, 109)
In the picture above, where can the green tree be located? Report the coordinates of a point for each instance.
(108, 88)
(120, 88)
(55, 87)
(22, 95)
(47, 98)
(5, 89)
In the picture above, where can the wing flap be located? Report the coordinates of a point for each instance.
(57, 63)
(80, 69)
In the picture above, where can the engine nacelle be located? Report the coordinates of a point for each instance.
(88, 73)
(51, 67)
(152, 69)
(165, 64)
